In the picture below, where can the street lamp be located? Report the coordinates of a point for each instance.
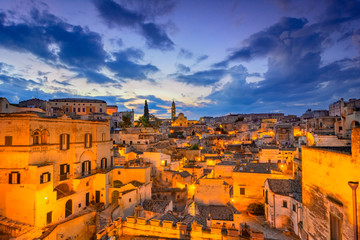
(354, 186)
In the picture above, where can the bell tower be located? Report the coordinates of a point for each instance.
(173, 111)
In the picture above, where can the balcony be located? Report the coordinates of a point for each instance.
(64, 176)
(103, 170)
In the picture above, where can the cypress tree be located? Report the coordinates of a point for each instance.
(146, 111)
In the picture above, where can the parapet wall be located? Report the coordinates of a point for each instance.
(140, 227)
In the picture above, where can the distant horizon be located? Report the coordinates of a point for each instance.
(177, 113)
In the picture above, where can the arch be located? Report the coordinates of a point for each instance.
(62, 190)
(115, 196)
(68, 208)
(87, 156)
(45, 137)
(355, 124)
(36, 137)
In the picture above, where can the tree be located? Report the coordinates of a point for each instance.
(194, 147)
(146, 111)
(256, 208)
(126, 121)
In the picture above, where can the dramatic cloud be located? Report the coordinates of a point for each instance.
(124, 68)
(117, 15)
(51, 39)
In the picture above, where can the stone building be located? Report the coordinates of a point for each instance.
(212, 191)
(80, 106)
(52, 168)
(327, 197)
(283, 204)
(248, 183)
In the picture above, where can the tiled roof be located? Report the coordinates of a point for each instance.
(286, 187)
(136, 183)
(189, 219)
(167, 217)
(216, 212)
(227, 163)
(257, 167)
(184, 174)
(157, 206)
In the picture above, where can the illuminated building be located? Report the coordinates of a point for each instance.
(80, 106)
(327, 197)
(52, 168)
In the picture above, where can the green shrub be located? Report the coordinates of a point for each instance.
(256, 208)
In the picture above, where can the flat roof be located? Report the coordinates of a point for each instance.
(77, 100)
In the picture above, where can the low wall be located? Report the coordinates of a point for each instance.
(140, 227)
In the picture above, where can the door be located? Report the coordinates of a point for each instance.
(87, 199)
(68, 208)
(115, 197)
(97, 196)
(49, 217)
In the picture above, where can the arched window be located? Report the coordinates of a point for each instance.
(36, 138)
(45, 137)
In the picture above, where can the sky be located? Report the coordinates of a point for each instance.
(211, 57)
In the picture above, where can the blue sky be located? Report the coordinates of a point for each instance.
(212, 57)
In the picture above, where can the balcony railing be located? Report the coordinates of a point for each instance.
(64, 176)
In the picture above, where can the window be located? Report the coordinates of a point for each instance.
(78, 109)
(7, 106)
(266, 197)
(83, 109)
(14, 178)
(8, 140)
(66, 109)
(49, 217)
(100, 109)
(36, 138)
(294, 207)
(86, 168)
(103, 163)
(129, 199)
(284, 204)
(124, 142)
(119, 172)
(340, 128)
(64, 141)
(242, 191)
(130, 142)
(74, 109)
(103, 137)
(90, 109)
(45, 177)
(44, 137)
(64, 171)
(335, 227)
(88, 140)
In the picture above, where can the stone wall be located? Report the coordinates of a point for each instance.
(326, 174)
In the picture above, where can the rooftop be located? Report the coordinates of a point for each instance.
(77, 100)
(286, 187)
(257, 168)
(157, 206)
(216, 212)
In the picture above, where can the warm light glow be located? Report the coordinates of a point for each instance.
(298, 132)
(46, 198)
(171, 131)
(268, 133)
